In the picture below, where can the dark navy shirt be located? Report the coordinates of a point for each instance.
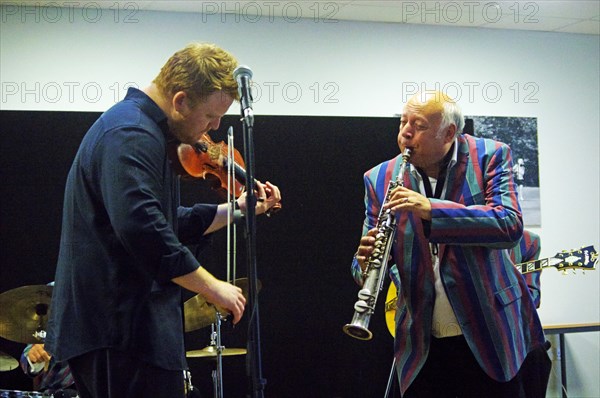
(122, 241)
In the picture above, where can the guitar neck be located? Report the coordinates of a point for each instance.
(584, 258)
(533, 266)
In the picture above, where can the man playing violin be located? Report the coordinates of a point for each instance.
(116, 307)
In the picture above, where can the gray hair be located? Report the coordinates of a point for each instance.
(452, 115)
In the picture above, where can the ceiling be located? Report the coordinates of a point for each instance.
(551, 16)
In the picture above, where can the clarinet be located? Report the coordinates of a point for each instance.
(376, 263)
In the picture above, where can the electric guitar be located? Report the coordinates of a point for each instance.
(585, 258)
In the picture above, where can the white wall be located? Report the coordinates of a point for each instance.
(69, 59)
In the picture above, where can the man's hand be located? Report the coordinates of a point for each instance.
(37, 354)
(365, 248)
(219, 293)
(404, 199)
(228, 296)
(267, 194)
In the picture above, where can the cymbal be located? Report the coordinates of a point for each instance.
(197, 313)
(25, 313)
(211, 351)
(7, 362)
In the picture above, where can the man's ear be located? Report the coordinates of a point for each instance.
(180, 103)
(450, 133)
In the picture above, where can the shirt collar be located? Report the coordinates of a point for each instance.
(454, 159)
(149, 107)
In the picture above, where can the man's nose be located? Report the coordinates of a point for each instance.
(215, 123)
(407, 131)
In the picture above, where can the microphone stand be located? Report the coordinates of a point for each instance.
(254, 355)
(390, 382)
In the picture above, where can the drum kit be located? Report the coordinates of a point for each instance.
(24, 318)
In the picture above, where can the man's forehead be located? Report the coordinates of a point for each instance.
(217, 101)
(426, 104)
(420, 111)
(219, 97)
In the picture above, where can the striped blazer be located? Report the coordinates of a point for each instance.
(476, 219)
(529, 249)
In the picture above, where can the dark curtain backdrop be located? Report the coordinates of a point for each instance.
(303, 252)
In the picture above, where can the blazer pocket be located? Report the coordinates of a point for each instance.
(509, 294)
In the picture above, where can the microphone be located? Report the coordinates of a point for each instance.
(242, 74)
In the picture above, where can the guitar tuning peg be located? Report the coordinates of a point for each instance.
(564, 272)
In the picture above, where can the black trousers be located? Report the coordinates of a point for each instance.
(109, 373)
(452, 371)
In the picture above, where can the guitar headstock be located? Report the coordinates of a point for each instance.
(584, 258)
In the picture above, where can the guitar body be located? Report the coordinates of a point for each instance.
(390, 308)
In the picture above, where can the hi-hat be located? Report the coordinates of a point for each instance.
(211, 351)
(7, 362)
(198, 313)
(25, 313)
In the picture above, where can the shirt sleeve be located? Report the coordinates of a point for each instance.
(370, 221)
(491, 215)
(193, 221)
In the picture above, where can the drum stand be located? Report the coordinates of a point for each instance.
(215, 340)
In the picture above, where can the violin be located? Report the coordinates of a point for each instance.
(207, 159)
